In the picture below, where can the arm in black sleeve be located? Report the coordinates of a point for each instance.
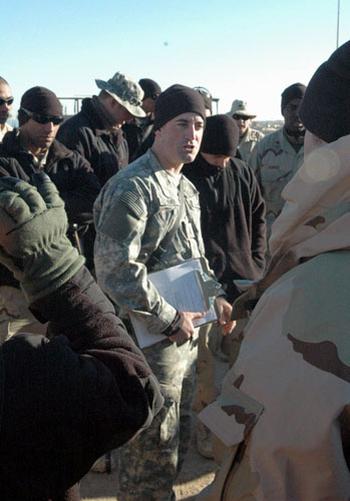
(80, 311)
(258, 223)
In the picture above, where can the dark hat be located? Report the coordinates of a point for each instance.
(294, 91)
(325, 110)
(221, 136)
(150, 88)
(42, 101)
(176, 100)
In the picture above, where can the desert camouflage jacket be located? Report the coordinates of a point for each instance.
(274, 161)
(247, 143)
(133, 213)
(286, 401)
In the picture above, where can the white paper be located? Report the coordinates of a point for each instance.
(180, 287)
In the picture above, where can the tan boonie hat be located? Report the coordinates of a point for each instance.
(124, 90)
(240, 108)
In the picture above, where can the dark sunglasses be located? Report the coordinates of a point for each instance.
(240, 117)
(43, 119)
(7, 101)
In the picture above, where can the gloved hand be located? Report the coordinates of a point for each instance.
(33, 242)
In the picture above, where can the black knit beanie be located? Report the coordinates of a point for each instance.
(325, 110)
(175, 100)
(150, 88)
(41, 100)
(221, 136)
(294, 91)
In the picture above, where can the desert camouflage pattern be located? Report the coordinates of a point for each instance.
(248, 142)
(274, 161)
(295, 358)
(133, 213)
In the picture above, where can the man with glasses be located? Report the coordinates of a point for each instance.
(248, 137)
(25, 151)
(6, 101)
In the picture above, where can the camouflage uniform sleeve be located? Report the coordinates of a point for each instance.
(120, 272)
(255, 161)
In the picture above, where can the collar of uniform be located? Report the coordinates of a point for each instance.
(280, 139)
(167, 182)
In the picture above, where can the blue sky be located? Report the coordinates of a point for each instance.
(247, 50)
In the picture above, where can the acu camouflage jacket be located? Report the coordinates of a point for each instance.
(133, 213)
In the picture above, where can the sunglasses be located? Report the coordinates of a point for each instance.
(240, 117)
(43, 119)
(7, 101)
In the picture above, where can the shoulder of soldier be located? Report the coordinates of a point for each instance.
(255, 135)
(271, 140)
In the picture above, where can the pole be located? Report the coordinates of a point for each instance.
(338, 17)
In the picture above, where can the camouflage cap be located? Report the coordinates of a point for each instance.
(124, 90)
(240, 108)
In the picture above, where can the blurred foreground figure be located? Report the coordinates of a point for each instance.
(66, 401)
(284, 408)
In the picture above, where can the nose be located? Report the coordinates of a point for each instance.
(49, 126)
(191, 132)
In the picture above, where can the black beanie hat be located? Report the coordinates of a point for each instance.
(325, 110)
(42, 101)
(175, 100)
(221, 136)
(150, 88)
(294, 91)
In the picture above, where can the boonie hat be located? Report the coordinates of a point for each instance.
(124, 90)
(240, 107)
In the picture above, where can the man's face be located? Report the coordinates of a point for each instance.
(118, 113)
(220, 161)
(39, 135)
(179, 139)
(148, 105)
(292, 122)
(243, 123)
(6, 100)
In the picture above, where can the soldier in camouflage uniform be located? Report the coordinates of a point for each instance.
(286, 403)
(278, 156)
(248, 137)
(133, 214)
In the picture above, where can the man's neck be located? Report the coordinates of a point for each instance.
(296, 140)
(165, 162)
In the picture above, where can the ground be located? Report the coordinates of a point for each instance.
(197, 472)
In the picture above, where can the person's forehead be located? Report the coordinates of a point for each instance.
(5, 91)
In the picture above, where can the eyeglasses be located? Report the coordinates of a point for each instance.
(240, 117)
(43, 119)
(7, 101)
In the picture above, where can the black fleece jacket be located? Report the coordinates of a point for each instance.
(85, 132)
(232, 220)
(66, 401)
(77, 184)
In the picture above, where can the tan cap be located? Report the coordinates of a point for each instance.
(240, 108)
(124, 90)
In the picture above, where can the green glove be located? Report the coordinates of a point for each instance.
(33, 241)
